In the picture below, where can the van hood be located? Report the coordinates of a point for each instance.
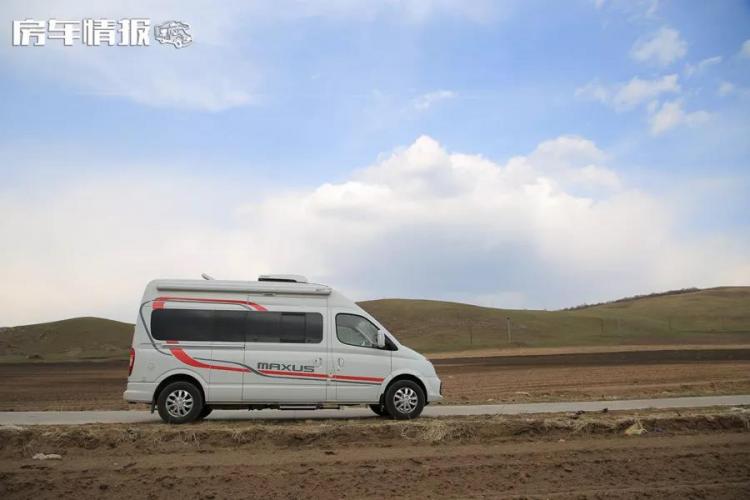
(408, 352)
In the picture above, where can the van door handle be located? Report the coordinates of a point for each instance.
(341, 362)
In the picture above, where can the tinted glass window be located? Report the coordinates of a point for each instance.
(236, 326)
(229, 326)
(182, 324)
(314, 328)
(263, 327)
(298, 328)
(293, 328)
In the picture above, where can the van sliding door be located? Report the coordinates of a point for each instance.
(227, 353)
(286, 355)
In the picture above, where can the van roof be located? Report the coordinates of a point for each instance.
(292, 288)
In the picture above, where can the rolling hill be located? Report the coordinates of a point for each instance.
(709, 316)
(66, 340)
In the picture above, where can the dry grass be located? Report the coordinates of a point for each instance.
(157, 438)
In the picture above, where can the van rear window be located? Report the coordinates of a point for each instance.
(236, 326)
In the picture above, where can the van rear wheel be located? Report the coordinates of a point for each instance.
(404, 400)
(379, 410)
(180, 403)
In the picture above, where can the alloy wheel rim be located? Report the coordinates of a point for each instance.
(179, 403)
(405, 400)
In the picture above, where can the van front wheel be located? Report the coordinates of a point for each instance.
(180, 403)
(404, 400)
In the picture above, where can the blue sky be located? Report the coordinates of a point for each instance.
(306, 112)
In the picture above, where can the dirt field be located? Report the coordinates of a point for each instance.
(554, 377)
(704, 454)
(595, 376)
(63, 386)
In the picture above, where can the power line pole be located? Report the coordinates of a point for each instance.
(510, 338)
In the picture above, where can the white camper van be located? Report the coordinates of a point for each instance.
(279, 342)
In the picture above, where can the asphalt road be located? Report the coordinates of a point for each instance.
(137, 416)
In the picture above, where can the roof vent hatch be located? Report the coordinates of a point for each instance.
(283, 278)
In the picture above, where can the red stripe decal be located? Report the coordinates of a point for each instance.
(183, 356)
(293, 374)
(358, 379)
(159, 302)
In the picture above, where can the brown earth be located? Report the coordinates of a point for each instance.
(541, 351)
(595, 376)
(63, 386)
(700, 454)
(553, 377)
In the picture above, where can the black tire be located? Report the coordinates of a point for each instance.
(379, 410)
(399, 409)
(174, 399)
(205, 412)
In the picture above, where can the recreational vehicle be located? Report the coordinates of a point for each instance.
(279, 342)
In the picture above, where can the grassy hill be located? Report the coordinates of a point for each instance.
(69, 339)
(711, 316)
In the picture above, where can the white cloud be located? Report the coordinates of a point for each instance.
(745, 49)
(411, 11)
(634, 9)
(662, 48)
(671, 114)
(625, 96)
(637, 91)
(550, 228)
(726, 88)
(693, 69)
(595, 91)
(426, 101)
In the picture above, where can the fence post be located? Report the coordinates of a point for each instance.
(510, 338)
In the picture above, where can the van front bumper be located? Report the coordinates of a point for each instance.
(139, 392)
(434, 389)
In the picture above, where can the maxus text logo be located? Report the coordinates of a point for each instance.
(288, 367)
(133, 32)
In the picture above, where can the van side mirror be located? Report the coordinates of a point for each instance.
(381, 339)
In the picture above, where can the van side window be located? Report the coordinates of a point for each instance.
(293, 328)
(263, 327)
(182, 324)
(356, 330)
(284, 327)
(228, 326)
(197, 325)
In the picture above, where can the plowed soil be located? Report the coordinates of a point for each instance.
(700, 455)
